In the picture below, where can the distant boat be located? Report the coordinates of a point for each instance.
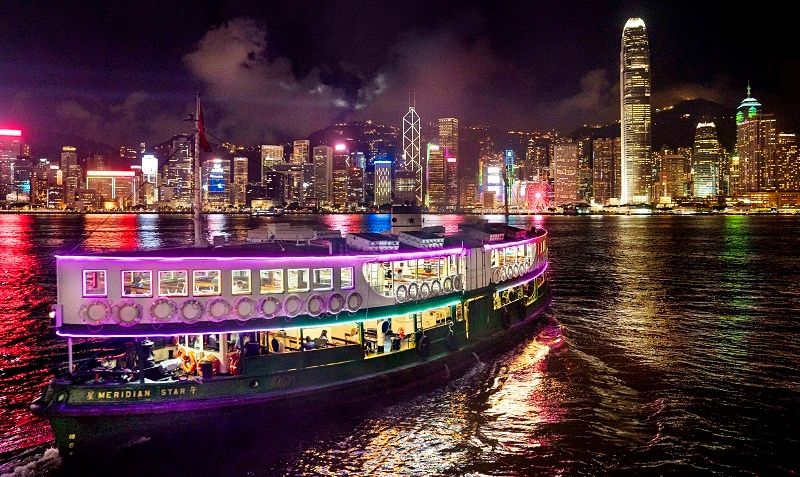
(271, 212)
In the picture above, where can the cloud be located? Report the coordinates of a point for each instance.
(132, 119)
(257, 98)
(719, 90)
(448, 75)
(596, 102)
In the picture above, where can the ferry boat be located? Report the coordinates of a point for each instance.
(270, 324)
(293, 319)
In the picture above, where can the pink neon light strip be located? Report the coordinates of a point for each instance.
(325, 258)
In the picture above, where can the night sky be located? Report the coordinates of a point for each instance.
(122, 72)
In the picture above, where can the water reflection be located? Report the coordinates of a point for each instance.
(23, 305)
(110, 232)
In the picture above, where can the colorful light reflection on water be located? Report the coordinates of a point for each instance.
(681, 357)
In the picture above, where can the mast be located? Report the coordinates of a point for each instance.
(199, 240)
(506, 187)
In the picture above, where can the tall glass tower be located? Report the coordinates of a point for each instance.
(634, 78)
(705, 161)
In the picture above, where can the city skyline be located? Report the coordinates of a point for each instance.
(361, 165)
(136, 86)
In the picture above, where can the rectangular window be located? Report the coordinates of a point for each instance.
(240, 282)
(271, 281)
(347, 278)
(323, 279)
(137, 283)
(173, 283)
(298, 280)
(94, 283)
(206, 282)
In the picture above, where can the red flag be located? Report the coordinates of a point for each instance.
(201, 129)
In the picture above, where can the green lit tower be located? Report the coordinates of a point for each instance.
(756, 140)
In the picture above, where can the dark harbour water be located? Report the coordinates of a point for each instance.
(683, 357)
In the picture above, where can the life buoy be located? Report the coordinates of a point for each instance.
(315, 305)
(293, 305)
(401, 294)
(95, 311)
(496, 275)
(413, 291)
(244, 308)
(457, 282)
(424, 290)
(424, 346)
(436, 287)
(335, 303)
(218, 309)
(269, 307)
(188, 360)
(163, 310)
(451, 341)
(191, 310)
(127, 313)
(447, 285)
(354, 301)
(503, 274)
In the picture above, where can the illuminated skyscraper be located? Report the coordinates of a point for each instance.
(340, 175)
(216, 183)
(755, 145)
(239, 182)
(180, 173)
(705, 161)
(605, 169)
(434, 167)
(323, 176)
(672, 177)
(412, 155)
(634, 79)
(355, 186)
(383, 182)
(150, 178)
(448, 141)
(300, 151)
(270, 155)
(72, 174)
(10, 145)
(565, 173)
(788, 162)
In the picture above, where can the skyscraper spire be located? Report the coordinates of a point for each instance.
(748, 88)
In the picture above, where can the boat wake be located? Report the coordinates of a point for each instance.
(35, 465)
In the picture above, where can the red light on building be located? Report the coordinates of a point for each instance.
(340, 147)
(10, 132)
